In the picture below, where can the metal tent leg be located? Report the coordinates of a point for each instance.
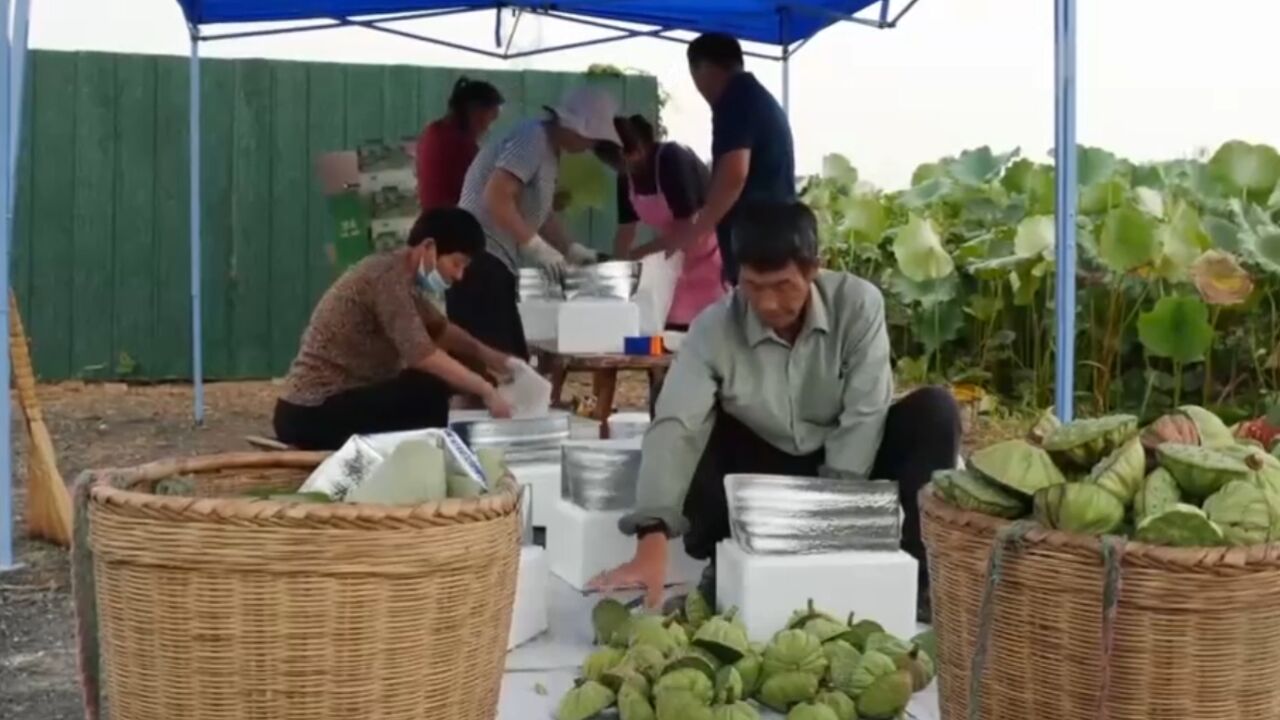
(8, 561)
(197, 351)
(786, 84)
(1065, 157)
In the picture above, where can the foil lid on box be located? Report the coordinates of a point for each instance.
(771, 514)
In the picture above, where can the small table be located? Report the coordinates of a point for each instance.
(604, 371)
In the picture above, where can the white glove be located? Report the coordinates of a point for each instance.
(540, 253)
(579, 254)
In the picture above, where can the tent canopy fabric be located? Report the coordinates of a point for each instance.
(775, 22)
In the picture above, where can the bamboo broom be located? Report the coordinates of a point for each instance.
(48, 502)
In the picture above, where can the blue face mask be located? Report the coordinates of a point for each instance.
(431, 282)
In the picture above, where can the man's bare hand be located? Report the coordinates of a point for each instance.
(647, 571)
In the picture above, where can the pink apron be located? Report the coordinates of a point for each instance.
(700, 282)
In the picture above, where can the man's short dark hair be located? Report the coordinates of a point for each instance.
(770, 235)
(716, 49)
(454, 230)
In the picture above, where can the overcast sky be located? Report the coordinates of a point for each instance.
(1157, 78)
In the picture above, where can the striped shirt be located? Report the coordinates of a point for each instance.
(526, 153)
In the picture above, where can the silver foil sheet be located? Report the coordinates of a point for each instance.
(617, 280)
(600, 474)
(779, 514)
(357, 459)
(522, 440)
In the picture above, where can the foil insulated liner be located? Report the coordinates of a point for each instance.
(524, 441)
(600, 474)
(358, 458)
(617, 279)
(780, 514)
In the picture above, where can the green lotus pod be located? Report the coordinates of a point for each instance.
(1265, 466)
(804, 616)
(634, 705)
(585, 701)
(652, 630)
(607, 618)
(1180, 526)
(696, 609)
(687, 680)
(1082, 443)
(811, 711)
(1199, 471)
(794, 650)
(921, 667)
(1016, 465)
(927, 641)
(841, 704)
(860, 631)
(693, 657)
(681, 705)
(1079, 508)
(750, 668)
(842, 661)
(825, 630)
(601, 661)
(729, 685)
(968, 491)
(677, 633)
(625, 675)
(1043, 427)
(1121, 473)
(1158, 493)
(720, 637)
(785, 689)
(735, 711)
(1248, 512)
(887, 644)
(1213, 432)
(647, 660)
(887, 697)
(872, 667)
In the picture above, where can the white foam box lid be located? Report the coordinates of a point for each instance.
(539, 318)
(543, 480)
(529, 615)
(584, 543)
(596, 325)
(880, 586)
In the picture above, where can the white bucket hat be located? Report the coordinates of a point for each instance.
(589, 112)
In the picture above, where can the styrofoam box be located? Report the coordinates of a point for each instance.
(584, 543)
(539, 318)
(628, 425)
(544, 482)
(529, 615)
(596, 325)
(583, 428)
(766, 589)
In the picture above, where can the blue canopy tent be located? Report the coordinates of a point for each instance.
(784, 25)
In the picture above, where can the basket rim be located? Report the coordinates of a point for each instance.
(103, 491)
(1226, 559)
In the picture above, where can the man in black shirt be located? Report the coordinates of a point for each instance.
(753, 157)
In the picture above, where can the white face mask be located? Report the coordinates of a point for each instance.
(431, 286)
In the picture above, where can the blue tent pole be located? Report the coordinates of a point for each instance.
(18, 80)
(197, 351)
(1065, 161)
(7, 559)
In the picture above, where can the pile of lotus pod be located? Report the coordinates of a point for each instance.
(1185, 480)
(692, 665)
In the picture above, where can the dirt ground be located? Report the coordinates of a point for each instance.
(96, 426)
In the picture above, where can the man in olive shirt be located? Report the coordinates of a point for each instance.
(788, 373)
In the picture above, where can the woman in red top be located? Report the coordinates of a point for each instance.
(448, 145)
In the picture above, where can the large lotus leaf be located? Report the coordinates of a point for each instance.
(837, 167)
(968, 491)
(1149, 201)
(1182, 241)
(1212, 431)
(1158, 493)
(926, 172)
(864, 219)
(1180, 526)
(1095, 166)
(919, 251)
(1082, 443)
(586, 179)
(925, 193)
(924, 294)
(1103, 197)
(938, 324)
(1016, 465)
(1220, 278)
(1079, 508)
(1121, 473)
(1224, 233)
(979, 166)
(1177, 328)
(1128, 240)
(1035, 237)
(999, 267)
(1247, 512)
(1200, 471)
(1246, 167)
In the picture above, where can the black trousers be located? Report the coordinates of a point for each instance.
(411, 401)
(484, 304)
(922, 434)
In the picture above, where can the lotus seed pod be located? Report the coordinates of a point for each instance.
(927, 641)
(600, 662)
(634, 705)
(1247, 512)
(1121, 473)
(1079, 508)
(696, 609)
(841, 704)
(1181, 526)
(1212, 431)
(1016, 465)
(811, 711)
(735, 711)
(652, 630)
(860, 631)
(750, 668)
(585, 701)
(681, 705)
(921, 667)
(678, 636)
(648, 660)
(729, 686)
(794, 650)
(804, 616)
(842, 661)
(1082, 443)
(688, 681)
(888, 644)
(1200, 472)
(785, 689)
(608, 617)
(720, 637)
(1175, 427)
(873, 666)
(1044, 425)
(968, 491)
(1158, 493)
(625, 675)
(696, 658)
(887, 697)
(1264, 466)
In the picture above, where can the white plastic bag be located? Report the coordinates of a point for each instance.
(528, 392)
(656, 290)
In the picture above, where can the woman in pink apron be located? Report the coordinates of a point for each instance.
(663, 185)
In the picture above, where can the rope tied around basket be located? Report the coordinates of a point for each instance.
(1013, 536)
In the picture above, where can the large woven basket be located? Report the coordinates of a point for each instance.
(1194, 634)
(221, 608)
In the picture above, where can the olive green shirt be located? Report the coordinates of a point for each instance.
(830, 390)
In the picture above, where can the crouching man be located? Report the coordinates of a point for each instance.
(788, 373)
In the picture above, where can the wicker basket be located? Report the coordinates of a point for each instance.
(218, 608)
(1194, 633)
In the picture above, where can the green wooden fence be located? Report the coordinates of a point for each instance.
(100, 258)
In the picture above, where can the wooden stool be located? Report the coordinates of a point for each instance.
(604, 370)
